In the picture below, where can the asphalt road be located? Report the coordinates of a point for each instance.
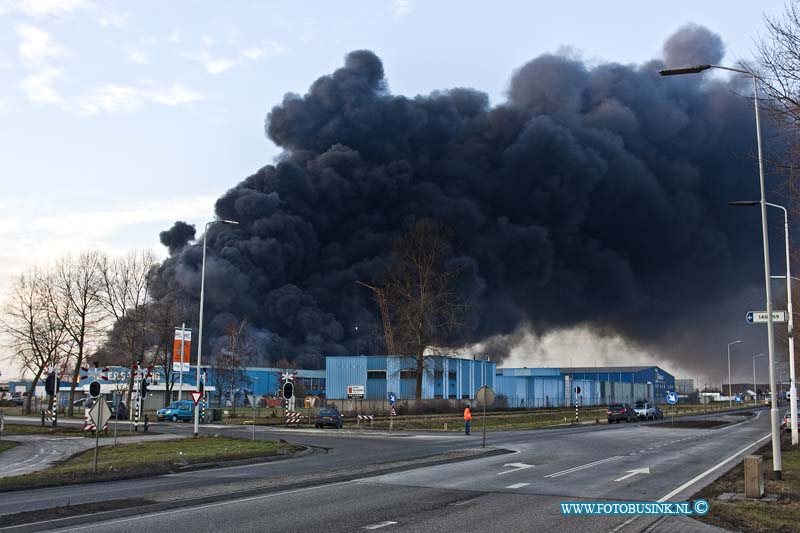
(520, 491)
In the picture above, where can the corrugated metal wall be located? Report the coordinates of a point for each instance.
(442, 377)
(342, 371)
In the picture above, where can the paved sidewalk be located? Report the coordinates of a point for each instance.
(37, 452)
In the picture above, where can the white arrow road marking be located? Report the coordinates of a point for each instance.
(518, 485)
(631, 473)
(581, 467)
(517, 467)
(379, 525)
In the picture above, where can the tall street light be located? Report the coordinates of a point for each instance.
(755, 391)
(790, 320)
(730, 394)
(776, 435)
(200, 328)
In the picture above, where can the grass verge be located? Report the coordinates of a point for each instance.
(6, 445)
(148, 458)
(29, 429)
(757, 516)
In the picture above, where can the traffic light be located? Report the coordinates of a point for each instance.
(202, 385)
(145, 384)
(50, 383)
(288, 390)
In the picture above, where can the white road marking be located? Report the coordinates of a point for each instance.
(713, 468)
(631, 473)
(517, 468)
(379, 525)
(581, 467)
(625, 523)
(518, 485)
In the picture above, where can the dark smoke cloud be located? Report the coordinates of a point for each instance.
(693, 45)
(178, 236)
(595, 196)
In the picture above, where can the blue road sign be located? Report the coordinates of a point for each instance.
(738, 398)
(672, 398)
(392, 398)
(750, 317)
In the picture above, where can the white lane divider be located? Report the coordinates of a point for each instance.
(518, 485)
(713, 468)
(379, 525)
(581, 467)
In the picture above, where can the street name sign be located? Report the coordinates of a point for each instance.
(761, 317)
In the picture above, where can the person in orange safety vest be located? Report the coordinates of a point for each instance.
(467, 419)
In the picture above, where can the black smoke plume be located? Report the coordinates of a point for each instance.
(595, 196)
(178, 236)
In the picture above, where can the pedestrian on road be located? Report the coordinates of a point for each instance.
(467, 419)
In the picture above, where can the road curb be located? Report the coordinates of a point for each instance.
(188, 502)
(251, 461)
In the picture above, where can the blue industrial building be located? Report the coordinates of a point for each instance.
(266, 381)
(660, 381)
(442, 378)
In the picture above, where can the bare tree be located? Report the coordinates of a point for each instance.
(125, 297)
(166, 314)
(38, 335)
(779, 61)
(421, 300)
(75, 299)
(229, 361)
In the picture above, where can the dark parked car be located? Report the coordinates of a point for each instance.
(121, 412)
(17, 400)
(618, 412)
(328, 417)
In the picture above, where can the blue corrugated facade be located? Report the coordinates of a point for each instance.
(553, 387)
(661, 380)
(443, 377)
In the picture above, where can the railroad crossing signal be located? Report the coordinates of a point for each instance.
(94, 389)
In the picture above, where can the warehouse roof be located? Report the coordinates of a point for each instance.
(606, 369)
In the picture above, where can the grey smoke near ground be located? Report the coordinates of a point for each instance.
(594, 196)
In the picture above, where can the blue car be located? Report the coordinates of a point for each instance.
(180, 410)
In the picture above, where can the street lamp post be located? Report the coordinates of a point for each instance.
(755, 391)
(200, 327)
(730, 395)
(776, 436)
(790, 320)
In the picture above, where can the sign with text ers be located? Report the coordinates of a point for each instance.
(355, 392)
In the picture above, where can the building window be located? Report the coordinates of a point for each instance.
(452, 376)
(376, 374)
(408, 374)
(438, 375)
